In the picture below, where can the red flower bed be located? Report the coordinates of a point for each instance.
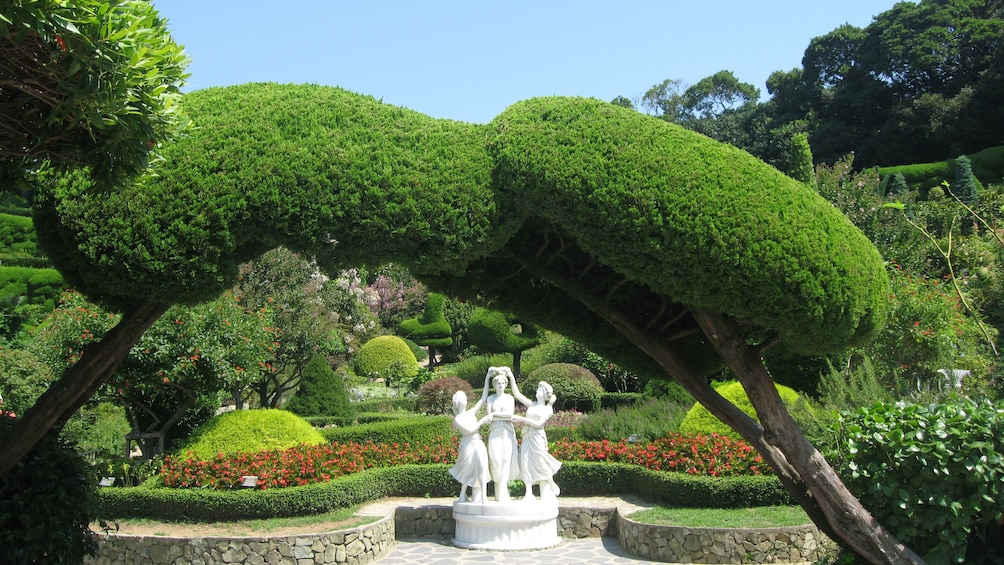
(713, 455)
(298, 465)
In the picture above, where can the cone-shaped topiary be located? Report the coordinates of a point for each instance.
(250, 431)
(321, 392)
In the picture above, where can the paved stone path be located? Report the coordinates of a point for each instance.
(586, 551)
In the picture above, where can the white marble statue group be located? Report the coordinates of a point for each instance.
(504, 460)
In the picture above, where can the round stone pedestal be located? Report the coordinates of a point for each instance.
(506, 526)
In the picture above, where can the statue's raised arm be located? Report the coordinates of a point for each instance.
(515, 389)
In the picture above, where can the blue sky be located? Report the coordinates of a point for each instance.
(469, 60)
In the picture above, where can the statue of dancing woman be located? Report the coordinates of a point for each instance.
(503, 452)
(537, 465)
(471, 469)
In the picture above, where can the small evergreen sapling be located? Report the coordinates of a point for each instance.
(321, 392)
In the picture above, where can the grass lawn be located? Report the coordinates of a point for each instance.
(755, 517)
(341, 519)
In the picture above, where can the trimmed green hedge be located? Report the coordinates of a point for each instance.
(38, 286)
(389, 405)
(361, 418)
(211, 505)
(415, 430)
(575, 479)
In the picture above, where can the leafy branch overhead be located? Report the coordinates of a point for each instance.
(86, 83)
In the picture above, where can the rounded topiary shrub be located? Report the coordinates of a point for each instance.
(576, 387)
(436, 396)
(387, 357)
(321, 392)
(700, 421)
(46, 505)
(249, 431)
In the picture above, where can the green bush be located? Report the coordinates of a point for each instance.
(575, 386)
(387, 404)
(23, 378)
(414, 430)
(430, 329)
(387, 357)
(575, 479)
(473, 369)
(619, 399)
(416, 349)
(669, 390)
(436, 396)
(651, 420)
(700, 421)
(99, 430)
(933, 475)
(560, 349)
(46, 505)
(321, 392)
(249, 431)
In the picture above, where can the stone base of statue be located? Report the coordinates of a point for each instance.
(507, 526)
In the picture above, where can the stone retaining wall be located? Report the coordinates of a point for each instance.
(800, 544)
(367, 543)
(363, 544)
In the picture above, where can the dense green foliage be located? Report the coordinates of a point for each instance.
(430, 329)
(17, 236)
(173, 378)
(412, 430)
(700, 421)
(46, 506)
(387, 357)
(932, 474)
(664, 211)
(575, 387)
(248, 431)
(649, 420)
(87, 82)
(321, 392)
(675, 212)
(23, 378)
(495, 332)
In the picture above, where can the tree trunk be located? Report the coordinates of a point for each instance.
(78, 384)
(802, 470)
(855, 525)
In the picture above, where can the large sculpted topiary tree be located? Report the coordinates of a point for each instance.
(656, 247)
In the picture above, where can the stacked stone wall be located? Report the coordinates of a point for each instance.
(354, 546)
(800, 544)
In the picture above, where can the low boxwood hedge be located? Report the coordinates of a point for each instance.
(414, 430)
(363, 418)
(575, 479)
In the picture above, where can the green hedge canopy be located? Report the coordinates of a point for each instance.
(352, 181)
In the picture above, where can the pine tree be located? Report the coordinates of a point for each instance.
(321, 392)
